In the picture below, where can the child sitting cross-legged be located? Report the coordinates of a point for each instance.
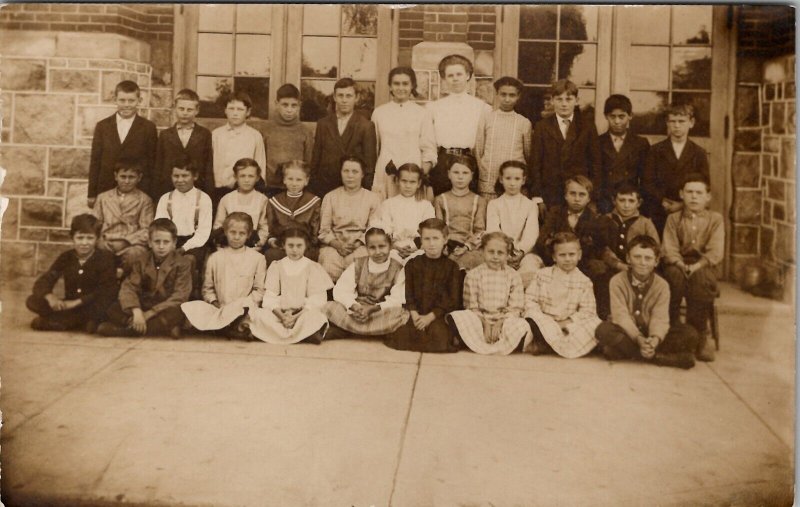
(150, 296)
(89, 283)
(493, 300)
(233, 283)
(433, 289)
(559, 303)
(295, 292)
(639, 327)
(400, 215)
(368, 298)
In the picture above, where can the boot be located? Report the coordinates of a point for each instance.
(675, 360)
(705, 348)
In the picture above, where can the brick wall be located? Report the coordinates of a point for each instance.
(764, 209)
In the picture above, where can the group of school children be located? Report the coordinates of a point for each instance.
(432, 228)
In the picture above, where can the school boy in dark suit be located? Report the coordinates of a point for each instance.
(669, 163)
(186, 141)
(564, 145)
(622, 153)
(343, 132)
(124, 135)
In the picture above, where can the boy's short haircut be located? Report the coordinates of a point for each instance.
(455, 60)
(489, 236)
(185, 164)
(562, 238)
(625, 188)
(162, 224)
(127, 86)
(377, 231)
(242, 97)
(696, 178)
(680, 110)
(508, 81)
(564, 86)
(580, 180)
(241, 217)
(618, 101)
(128, 164)
(187, 94)
(85, 223)
(295, 232)
(436, 224)
(645, 241)
(345, 82)
(288, 91)
(352, 158)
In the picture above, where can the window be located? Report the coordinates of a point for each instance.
(676, 44)
(557, 42)
(234, 49)
(338, 41)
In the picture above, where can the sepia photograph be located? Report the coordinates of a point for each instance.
(406, 255)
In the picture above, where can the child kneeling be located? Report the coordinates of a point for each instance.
(560, 305)
(150, 297)
(493, 297)
(368, 298)
(433, 289)
(233, 282)
(639, 327)
(295, 292)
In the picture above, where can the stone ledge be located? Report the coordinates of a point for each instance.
(78, 45)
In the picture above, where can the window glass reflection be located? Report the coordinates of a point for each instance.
(649, 68)
(320, 57)
(578, 63)
(649, 24)
(321, 19)
(537, 62)
(691, 24)
(213, 91)
(253, 18)
(253, 55)
(648, 112)
(538, 22)
(578, 22)
(359, 19)
(691, 68)
(359, 57)
(214, 53)
(216, 18)
(315, 97)
(258, 90)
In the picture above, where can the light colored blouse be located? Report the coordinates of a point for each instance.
(516, 216)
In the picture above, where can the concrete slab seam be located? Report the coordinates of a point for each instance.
(405, 430)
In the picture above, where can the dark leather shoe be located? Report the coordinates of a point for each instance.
(684, 361)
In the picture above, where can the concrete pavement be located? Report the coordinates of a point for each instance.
(203, 421)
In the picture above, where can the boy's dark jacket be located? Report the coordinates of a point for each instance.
(154, 289)
(554, 158)
(587, 230)
(170, 151)
(329, 147)
(139, 146)
(664, 173)
(625, 165)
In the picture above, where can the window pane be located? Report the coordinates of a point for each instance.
(650, 68)
(578, 63)
(649, 24)
(315, 99)
(537, 61)
(578, 22)
(212, 92)
(691, 24)
(424, 81)
(532, 104)
(359, 19)
(359, 58)
(214, 53)
(216, 18)
(254, 18)
(321, 19)
(702, 111)
(648, 112)
(320, 56)
(253, 54)
(537, 22)
(586, 101)
(691, 68)
(258, 90)
(365, 100)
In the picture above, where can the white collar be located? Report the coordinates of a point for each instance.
(178, 193)
(374, 267)
(120, 119)
(561, 120)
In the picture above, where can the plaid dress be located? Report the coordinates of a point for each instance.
(556, 295)
(494, 297)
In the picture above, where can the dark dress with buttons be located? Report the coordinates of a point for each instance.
(93, 282)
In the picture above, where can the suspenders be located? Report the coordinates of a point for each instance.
(471, 217)
(196, 208)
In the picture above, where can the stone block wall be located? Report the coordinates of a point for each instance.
(764, 171)
(52, 97)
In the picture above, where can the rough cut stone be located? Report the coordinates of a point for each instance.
(772, 144)
(767, 242)
(776, 189)
(161, 97)
(784, 243)
(747, 140)
(787, 161)
(33, 234)
(88, 116)
(749, 69)
(55, 188)
(17, 259)
(747, 102)
(790, 117)
(746, 170)
(745, 239)
(25, 166)
(76, 201)
(747, 206)
(110, 80)
(778, 211)
(47, 255)
(27, 43)
(42, 212)
(85, 81)
(766, 213)
(75, 63)
(43, 119)
(778, 118)
(22, 74)
(69, 163)
(59, 236)
(10, 218)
